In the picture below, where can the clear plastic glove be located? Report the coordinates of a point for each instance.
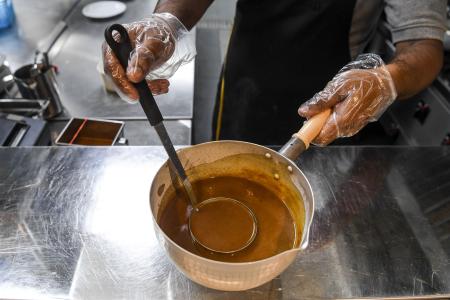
(358, 94)
(161, 44)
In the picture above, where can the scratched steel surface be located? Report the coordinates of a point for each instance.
(75, 223)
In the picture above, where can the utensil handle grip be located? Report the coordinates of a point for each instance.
(121, 47)
(311, 128)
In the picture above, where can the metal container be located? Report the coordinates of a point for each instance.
(91, 132)
(38, 81)
(264, 163)
(23, 107)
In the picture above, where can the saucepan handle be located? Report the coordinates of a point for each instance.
(121, 47)
(301, 140)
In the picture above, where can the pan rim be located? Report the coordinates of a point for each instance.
(307, 226)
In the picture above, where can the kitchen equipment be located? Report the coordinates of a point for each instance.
(37, 81)
(230, 241)
(267, 166)
(4, 73)
(11, 132)
(91, 132)
(23, 107)
(104, 9)
(18, 130)
(200, 213)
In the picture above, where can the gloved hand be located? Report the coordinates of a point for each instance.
(160, 44)
(357, 95)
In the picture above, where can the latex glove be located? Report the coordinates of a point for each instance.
(160, 44)
(358, 94)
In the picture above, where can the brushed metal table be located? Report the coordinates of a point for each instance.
(75, 224)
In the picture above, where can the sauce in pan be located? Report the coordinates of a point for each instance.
(276, 227)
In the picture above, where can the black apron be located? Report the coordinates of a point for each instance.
(280, 54)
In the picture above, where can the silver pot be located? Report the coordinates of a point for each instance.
(231, 158)
(39, 82)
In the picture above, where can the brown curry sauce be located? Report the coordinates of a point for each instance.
(277, 230)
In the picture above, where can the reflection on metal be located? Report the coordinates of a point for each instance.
(37, 25)
(421, 227)
(75, 223)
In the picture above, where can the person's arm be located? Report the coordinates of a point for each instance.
(415, 65)
(363, 90)
(357, 95)
(417, 29)
(187, 11)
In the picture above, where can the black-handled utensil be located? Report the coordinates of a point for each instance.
(121, 47)
(199, 219)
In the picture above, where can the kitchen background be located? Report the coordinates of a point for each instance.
(73, 45)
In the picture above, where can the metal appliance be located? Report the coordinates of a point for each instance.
(18, 130)
(92, 132)
(38, 81)
(4, 73)
(24, 107)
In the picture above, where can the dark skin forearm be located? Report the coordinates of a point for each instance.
(415, 65)
(187, 11)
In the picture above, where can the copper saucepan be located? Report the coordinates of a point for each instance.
(241, 159)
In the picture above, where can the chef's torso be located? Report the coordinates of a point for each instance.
(280, 54)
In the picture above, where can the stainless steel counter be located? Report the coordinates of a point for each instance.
(75, 223)
(38, 24)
